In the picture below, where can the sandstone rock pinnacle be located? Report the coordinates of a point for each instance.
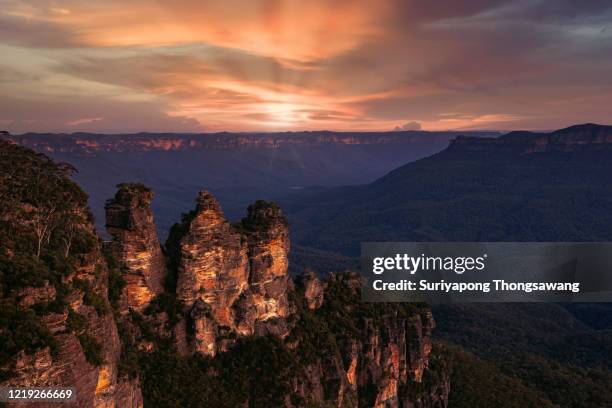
(129, 220)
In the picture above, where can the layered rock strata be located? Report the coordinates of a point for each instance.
(56, 318)
(265, 306)
(81, 325)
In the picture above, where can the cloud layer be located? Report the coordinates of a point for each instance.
(187, 65)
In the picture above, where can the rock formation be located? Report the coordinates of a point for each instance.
(313, 288)
(129, 220)
(232, 290)
(383, 355)
(213, 271)
(233, 278)
(265, 305)
(213, 261)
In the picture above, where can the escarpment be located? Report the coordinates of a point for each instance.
(585, 138)
(132, 323)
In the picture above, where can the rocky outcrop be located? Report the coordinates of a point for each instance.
(135, 246)
(265, 306)
(213, 271)
(378, 361)
(233, 279)
(100, 332)
(96, 379)
(213, 261)
(313, 288)
(418, 331)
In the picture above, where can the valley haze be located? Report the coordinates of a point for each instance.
(237, 167)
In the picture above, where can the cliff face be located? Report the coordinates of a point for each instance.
(213, 261)
(264, 308)
(96, 379)
(587, 137)
(212, 272)
(129, 220)
(111, 388)
(89, 144)
(55, 287)
(377, 361)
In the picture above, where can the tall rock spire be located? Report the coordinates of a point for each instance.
(212, 271)
(232, 279)
(266, 305)
(129, 220)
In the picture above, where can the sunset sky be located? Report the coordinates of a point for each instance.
(274, 65)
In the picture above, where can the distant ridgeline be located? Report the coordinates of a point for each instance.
(85, 143)
(238, 168)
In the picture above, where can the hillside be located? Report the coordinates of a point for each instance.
(216, 302)
(54, 286)
(521, 186)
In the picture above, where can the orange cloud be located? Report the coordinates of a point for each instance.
(284, 29)
(289, 64)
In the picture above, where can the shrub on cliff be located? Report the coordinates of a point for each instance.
(259, 370)
(20, 329)
(91, 348)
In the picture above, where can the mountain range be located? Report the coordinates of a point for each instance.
(238, 168)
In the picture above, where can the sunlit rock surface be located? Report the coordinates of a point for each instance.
(233, 278)
(129, 220)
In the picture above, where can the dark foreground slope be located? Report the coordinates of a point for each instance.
(238, 168)
(519, 187)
